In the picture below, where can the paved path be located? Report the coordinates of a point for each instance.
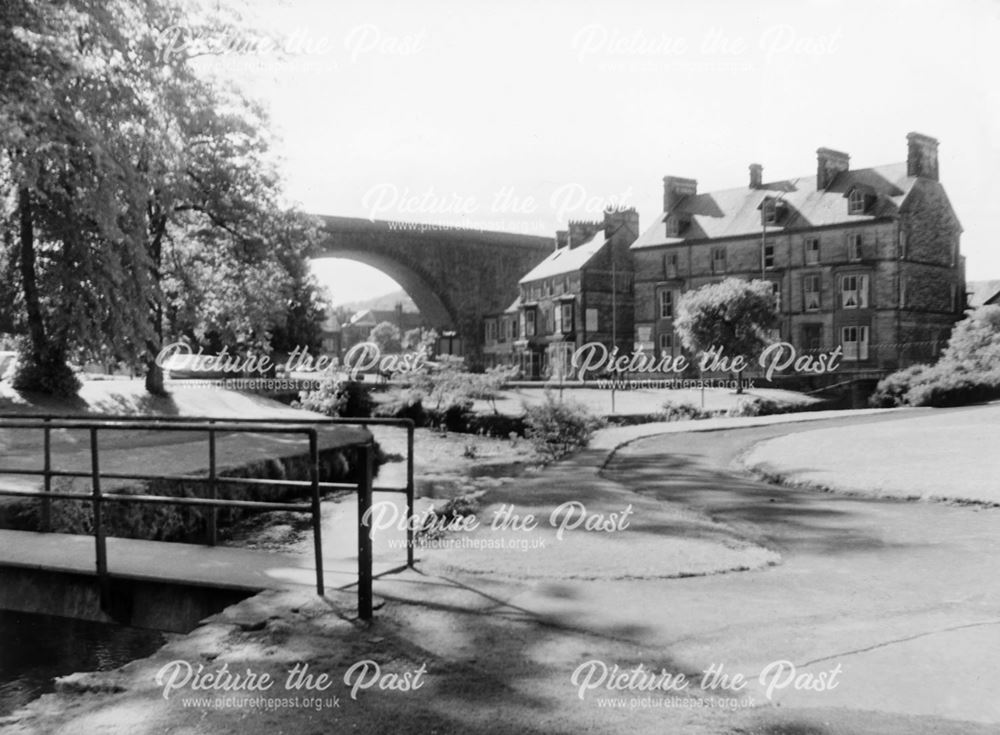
(903, 597)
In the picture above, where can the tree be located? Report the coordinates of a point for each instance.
(386, 335)
(975, 341)
(733, 316)
(143, 204)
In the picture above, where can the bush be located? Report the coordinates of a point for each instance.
(47, 372)
(892, 390)
(682, 412)
(944, 387)
(338, 398)
(556, 428)
(402, 404)
(757, 407)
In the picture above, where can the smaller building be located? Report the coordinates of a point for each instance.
(359, 326)
(501, 331)
(582, 292)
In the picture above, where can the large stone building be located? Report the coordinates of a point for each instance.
(582, 292)
(865, 259)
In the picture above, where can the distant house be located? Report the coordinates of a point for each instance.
(359, 326)
(864, 259)
(582, 292)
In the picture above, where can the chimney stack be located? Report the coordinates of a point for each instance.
(921, 156)
(676, 188)
(626, 219)
(562, 239)
(829, 163)
(581, 231)
(756, 175)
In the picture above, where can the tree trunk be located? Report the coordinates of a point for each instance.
(29, 282)
(154, 373)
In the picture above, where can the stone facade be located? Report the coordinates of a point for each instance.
(865, 260)
(583, 292)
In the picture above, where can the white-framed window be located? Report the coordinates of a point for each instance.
(666, 343)
(666, 304)
(854, 291)
(903, 283)
(856, 202)
(549, 311)
(854, 341)
(491, 330)
(854, 247)
(776, 291)
(768, 256)
(902, 244)
(718, 260)
(529, 323)
(556, 319)
(567, 317)
(810, 289)
(670, 265)
(812, 251)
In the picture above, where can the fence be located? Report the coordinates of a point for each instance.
(212, 427)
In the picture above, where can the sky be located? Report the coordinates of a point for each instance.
(520, 115)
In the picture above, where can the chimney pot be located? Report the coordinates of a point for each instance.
(756, 175)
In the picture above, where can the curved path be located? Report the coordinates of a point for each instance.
(901, 598)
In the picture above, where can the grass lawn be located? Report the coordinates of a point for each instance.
(950, 454)
(633, 402)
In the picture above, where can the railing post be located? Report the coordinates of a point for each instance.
(101, 551)
(317, 518)
(47, 487)
(364, 533)
(409, 494)
(213, 513)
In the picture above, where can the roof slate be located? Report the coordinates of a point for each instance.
(567, 260)
(736, 212)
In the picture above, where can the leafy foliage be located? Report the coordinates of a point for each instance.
(556, 428)
(735, 315)
(967, 371)
(140, 200)
(387, 336)
(339, 399)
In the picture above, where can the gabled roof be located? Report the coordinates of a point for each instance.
(736, 212)
(566, 259)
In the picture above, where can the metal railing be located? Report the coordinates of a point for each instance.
(308, 427)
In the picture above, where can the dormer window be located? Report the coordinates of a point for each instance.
(676, 225)
(859, 200)
(769, 212)
(856, 202)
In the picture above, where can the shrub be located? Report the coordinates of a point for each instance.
(892, 390)
(683, 412)
(556, 428)
(402, 404)
(338, 398)
(47, 372)
(757, 407)
(945, 387)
